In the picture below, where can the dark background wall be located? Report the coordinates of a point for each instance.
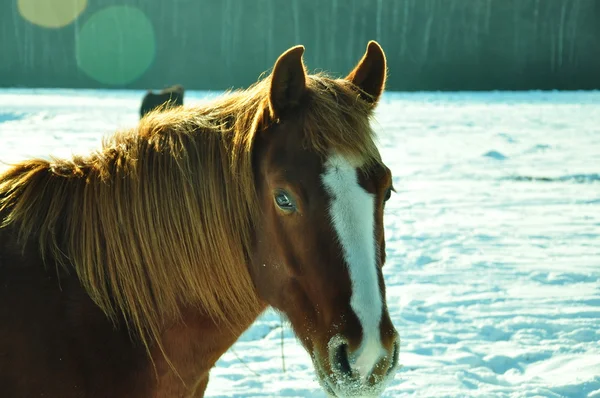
(218, 44)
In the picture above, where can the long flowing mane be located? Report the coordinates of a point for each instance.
(161, 217)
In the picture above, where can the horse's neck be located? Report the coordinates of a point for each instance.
(193, 346)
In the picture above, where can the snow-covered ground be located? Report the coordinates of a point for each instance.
(493, 280)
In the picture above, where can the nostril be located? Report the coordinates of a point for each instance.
(340, 362)
(395, 357)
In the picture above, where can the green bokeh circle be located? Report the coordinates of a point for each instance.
(116, 45)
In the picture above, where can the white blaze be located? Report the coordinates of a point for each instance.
(352, 211)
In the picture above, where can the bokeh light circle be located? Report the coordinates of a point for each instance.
(51, 13)
(116, 45)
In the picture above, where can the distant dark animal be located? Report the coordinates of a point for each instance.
(128, 272)
(167, 98)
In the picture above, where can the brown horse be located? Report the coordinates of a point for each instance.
(130, 271)
(167, 98)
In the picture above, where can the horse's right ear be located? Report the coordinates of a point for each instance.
(288, 81)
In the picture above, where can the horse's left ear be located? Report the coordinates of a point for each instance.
(288, 81)
(370, 73)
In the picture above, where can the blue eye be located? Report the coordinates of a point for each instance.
(284, 201)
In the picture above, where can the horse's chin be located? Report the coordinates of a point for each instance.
(350, 387)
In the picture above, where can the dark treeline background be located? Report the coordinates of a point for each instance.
(218, 44)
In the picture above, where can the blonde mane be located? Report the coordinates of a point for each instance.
(161, 217)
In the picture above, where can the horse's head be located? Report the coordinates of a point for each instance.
(320, 245)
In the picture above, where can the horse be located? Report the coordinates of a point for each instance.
(166, 98)
(128, 271)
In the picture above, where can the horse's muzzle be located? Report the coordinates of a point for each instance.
(345, 376)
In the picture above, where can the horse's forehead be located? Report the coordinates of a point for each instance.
(305, 166)
(295, 163)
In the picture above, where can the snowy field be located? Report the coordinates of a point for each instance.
(493, 277)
